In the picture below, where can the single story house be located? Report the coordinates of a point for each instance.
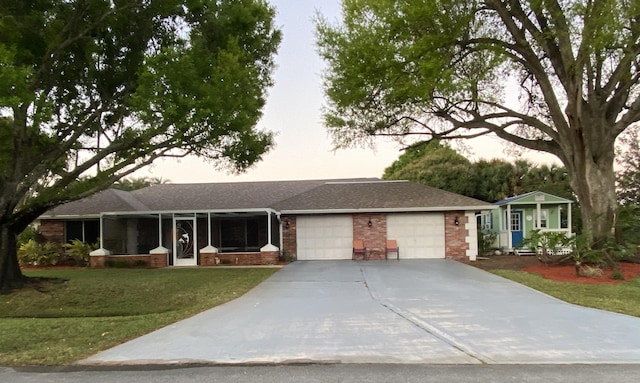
(516, 217)
(259, 222)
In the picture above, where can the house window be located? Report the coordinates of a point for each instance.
(239, 235)
(544, 219)
(487, 223)
(515, 221)
(87, 231)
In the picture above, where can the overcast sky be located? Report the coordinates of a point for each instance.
(303, 149)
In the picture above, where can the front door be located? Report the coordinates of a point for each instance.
(184, 241)
(516, 228)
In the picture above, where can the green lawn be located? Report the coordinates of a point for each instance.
(94, 309)
(623, 298)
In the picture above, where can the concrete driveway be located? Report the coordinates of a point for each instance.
(420, 311)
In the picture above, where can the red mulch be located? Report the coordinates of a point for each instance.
(557, 273)
(568, 273)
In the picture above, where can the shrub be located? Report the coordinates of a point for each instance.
(37, 254)
(118, 264)
(140, 263)
(486, 241)
(79, 251)
(589, 271)
(548, 246)
(30, 233)
(617, 275)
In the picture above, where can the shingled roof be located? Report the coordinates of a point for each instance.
(106, 200)
(369, 194)
(377, 195)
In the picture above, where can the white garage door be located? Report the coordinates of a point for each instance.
(324, 237)
(418, 235)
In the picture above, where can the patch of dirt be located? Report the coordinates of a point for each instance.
(563, 273)
(504, 262)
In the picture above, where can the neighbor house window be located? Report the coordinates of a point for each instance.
(87, 231)
(544, 219)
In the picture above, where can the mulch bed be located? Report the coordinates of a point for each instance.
(568, 273)
(562, 273)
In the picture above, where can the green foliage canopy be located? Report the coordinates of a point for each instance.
(440, 166)
(561, 77)
(92, 90)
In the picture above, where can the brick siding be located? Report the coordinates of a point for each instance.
(456, 245)
(289, 239)
(374, 236)
(53, 231)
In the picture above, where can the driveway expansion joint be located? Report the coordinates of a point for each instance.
(422, 326)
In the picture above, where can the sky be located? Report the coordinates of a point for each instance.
(303, 148)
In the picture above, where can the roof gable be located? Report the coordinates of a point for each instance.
(532, 198)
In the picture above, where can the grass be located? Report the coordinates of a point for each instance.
(621, 298)
(86, 311)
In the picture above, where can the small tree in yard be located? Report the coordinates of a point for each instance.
(562, 77)
(93, 90)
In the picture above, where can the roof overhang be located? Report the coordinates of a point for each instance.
(161, 212)
(390, 210)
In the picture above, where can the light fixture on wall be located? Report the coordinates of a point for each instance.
(369, 223)
(456, 221)
(286, 223)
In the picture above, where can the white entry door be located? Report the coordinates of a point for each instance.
(418, 235)
(324, 237)
(184, 241)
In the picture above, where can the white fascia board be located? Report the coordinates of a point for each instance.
(70, 216)
(390, 210)
(156, 212)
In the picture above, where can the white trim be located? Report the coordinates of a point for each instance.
(209, 249)
(472, 236)
(159, 250)
(99, 252)
(269, 247)
(390, 210)
(185, 261)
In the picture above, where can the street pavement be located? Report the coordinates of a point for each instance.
(387, 312)
(345, 373)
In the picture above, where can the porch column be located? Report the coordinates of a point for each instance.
(209, 228)
(209, 253)
(508, 221)
(269, 247)
(159, 255)
(538, 216)
(569, 218)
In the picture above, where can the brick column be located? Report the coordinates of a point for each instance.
(455, 242)
(374, 236)
(158, 257)
(289, 237)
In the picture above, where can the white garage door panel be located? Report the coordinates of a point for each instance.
(325, 237)
(418, 235)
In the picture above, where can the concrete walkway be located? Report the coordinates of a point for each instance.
(420, 311)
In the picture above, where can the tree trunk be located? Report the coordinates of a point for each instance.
(593, 181)
(10, 275)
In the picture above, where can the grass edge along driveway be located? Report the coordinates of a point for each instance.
(620, 298)
(85, 311)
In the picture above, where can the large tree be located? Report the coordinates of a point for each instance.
(92, 90)
(628, 176)
(433, 164)
(561, 77)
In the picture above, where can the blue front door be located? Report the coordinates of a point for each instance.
(516, 228)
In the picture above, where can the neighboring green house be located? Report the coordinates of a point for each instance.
(517, 216)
